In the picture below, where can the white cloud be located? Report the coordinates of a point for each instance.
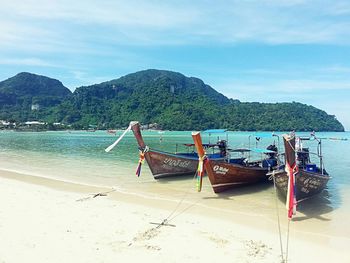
(84, 78)
(336, 69)
(131, 13)
(309, 85)
(26, 62)
(181, 22)
(302, 90)
(339, 8)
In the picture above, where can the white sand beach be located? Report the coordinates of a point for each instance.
(46, 220)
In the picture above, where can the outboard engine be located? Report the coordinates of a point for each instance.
(303, 157)
(271, 160)
(272, 147)
(222, 144)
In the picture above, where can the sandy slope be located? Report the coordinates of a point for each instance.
(43, 220)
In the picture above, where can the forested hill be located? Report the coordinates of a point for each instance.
(25, 90)
(28, 84)
(173, 101)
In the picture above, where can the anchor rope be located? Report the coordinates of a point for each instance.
(170, 216)
(284, 260)
(198, 177)
(287, 248)
(278, 216)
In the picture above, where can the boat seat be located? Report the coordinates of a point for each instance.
(240, 161)
(269, 163)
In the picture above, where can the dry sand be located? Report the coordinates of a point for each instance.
(45, 220)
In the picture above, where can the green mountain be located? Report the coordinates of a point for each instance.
(172, 100)
(168, 98)
(22, 96)
(279, 117)
(28, 84)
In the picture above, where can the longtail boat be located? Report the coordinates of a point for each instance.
(234, 172)
(166, 164)
(310, 178)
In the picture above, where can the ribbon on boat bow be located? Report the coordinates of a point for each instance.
(109, 148)
(141, 160)
(200, 172)
(291, 203)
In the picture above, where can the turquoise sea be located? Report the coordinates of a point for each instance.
(79, 156)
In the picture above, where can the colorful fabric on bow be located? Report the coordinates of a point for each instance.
(200, 172)
(291, 203)
(141, 161)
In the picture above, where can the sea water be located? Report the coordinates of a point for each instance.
(79, 156)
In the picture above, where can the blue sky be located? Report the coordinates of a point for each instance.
(267, 51)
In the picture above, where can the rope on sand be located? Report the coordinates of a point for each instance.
(287, 241)
(95, 195)
(283, 260)
(165, 222)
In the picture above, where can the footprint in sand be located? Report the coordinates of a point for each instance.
(118, 245)
(147, 235)
(256, 249)
(220, 242)
(150, 247)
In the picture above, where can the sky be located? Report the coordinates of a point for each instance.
(253, 50)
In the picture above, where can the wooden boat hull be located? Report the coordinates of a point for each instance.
(307, 184)
(224, 176)
(163, 164)
(228, 175)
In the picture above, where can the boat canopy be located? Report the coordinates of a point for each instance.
(205, 145)
(263, 135)
(240, 150)
(256, 150)
(215, 131)
(261, 150)
(305, 138)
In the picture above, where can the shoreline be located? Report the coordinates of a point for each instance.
(160, 130)
(221, 234)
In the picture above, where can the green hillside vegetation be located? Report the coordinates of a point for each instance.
(19, 93)
(168, 98)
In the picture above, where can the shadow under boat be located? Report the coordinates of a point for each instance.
(177, 178)
(315, 207)
(247, 189)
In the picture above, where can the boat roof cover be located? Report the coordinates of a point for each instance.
(205, 145)
(260, 150)
(264, 135)
(238, 150)
(215, 131)
(257, 150)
